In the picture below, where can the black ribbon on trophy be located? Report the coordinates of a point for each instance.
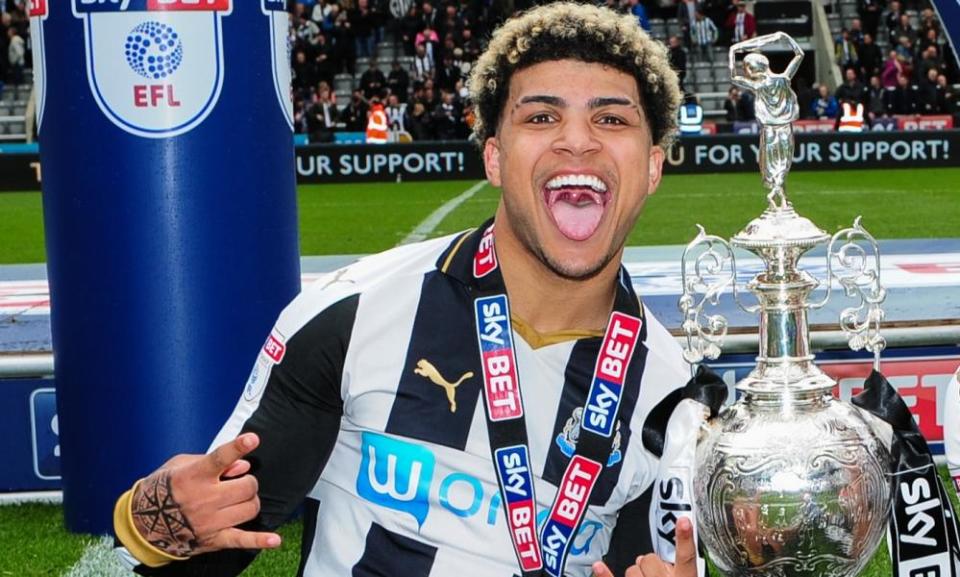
(923, 536)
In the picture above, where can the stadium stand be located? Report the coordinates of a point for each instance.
(413, 56)
(15, 70)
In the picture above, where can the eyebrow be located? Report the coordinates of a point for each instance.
(598, 102)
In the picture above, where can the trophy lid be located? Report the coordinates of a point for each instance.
(780, 227)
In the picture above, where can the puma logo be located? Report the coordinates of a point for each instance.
(426, 369)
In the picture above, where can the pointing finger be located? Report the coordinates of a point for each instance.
(224, 456)
(238, 539)
(686, 549)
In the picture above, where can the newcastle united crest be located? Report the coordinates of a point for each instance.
(567, 439)
(37, 11)
(280, 50)
(155, 67)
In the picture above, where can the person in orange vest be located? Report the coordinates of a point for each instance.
(378, 130)
(851, 118)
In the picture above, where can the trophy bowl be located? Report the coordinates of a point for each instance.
(789, 481)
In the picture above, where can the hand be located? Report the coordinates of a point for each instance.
(652, 566)
(192, 503)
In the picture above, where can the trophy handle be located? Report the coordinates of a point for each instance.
(860, 281)
(708, 267)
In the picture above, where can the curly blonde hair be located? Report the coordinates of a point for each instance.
(565, 30)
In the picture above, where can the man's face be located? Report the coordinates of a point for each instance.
(575, 161)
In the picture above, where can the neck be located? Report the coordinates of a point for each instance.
(546, 301)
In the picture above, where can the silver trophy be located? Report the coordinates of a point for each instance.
(790, 481)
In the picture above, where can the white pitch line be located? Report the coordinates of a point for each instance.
(50, 497)
(436, 217)
(99, 560)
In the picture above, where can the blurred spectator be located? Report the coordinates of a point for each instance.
(448, 74)
(410, 25)
(928, 98)
(686, 15)
(947, 96)
(428, 39)
(322, 116)
(462, 65)
(304, 73)
(892, 20)
(845, 52)
(703, 34)
(851, 90)
(805, 96)
(740, 23)
(870, 58)
(418, 122)
(891, 70)
(851, 116)
(344, 46)
(471, 46)
(930, 37)
(422, 67)
(428, 16)
(396, 114)
(451, 21)
(354, 115)
(870, 13)
(307, 31)
(678, 59)
(856, 32)
(905, 29)
(875, 106)
(732, 105)
(640, 13)
(372, 81)
(929, 60)
(378, 131)
(690, 119)
(447, 118)
(825, 105)
(902, 99)
(324, 59)
(16, 55)
(904, 52)
(398, 81)
(364, 21)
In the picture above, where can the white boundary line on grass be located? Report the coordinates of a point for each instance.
(53, 497)
(424, 229)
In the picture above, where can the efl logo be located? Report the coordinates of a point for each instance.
(485, 261)
(568, 508)
(513, 469)
(155, 67)
(500, 383)
(610, 373)
(275, 347)
(46, 434)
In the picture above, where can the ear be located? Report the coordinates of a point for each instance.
(491, 160)
(655, 168)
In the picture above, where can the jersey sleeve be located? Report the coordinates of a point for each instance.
(294, 401)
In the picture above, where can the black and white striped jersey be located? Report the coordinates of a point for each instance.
(367, 400)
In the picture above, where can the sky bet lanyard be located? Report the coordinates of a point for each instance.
(508, 433)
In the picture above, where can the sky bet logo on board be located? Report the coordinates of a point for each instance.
(155, 67)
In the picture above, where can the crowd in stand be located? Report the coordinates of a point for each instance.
(14, 42)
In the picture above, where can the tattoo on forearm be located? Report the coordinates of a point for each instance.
(157, 516)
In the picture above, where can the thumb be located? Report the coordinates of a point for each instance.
(223, 457)
(686, 560)
(600, 569)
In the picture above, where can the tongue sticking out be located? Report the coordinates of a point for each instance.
(576, 212)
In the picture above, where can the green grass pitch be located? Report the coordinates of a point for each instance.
(365, 218)
(358, 219)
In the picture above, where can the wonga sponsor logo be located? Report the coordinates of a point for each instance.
(500, 383)
(155, 67)
(402, 476)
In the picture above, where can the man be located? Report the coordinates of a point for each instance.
(372, 80)
(678, 59)
(703, 35)
(389, 393)
(740, 23)
(845, 51)
(851, 90)
(870, 57)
